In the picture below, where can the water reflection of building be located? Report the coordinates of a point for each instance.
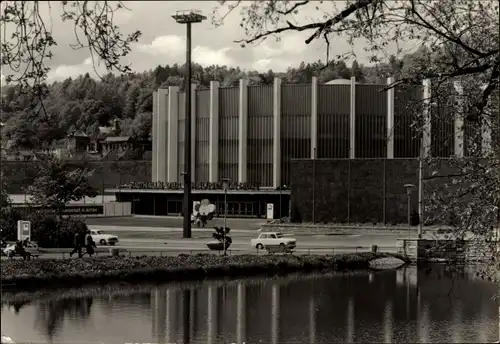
(388, 320)
(407, 276)
(274, 311)
(350, 321)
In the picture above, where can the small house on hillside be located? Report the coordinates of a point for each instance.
(77, 142)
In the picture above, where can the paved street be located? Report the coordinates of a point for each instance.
(138, 235)
(155, 236)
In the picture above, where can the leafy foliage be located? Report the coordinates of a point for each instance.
(76, 271)
(4, 195)
(222, 233)
(57, 184)
(47, 230)
(52, 231)
(25, 52)
(8, 222)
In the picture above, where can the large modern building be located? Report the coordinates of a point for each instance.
(250, 134)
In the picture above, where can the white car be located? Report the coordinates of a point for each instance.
(9, 250)
(7, 340)
(102, 238)
(273, 239)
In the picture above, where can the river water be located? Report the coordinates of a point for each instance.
(407, 305)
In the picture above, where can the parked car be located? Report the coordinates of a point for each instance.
(9, 250)
(7, 340)
(102, 238)
(274, 239)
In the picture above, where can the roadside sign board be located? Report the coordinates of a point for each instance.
(23, 230)
(270, 211)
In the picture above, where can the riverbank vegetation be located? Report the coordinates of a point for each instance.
(76, 272)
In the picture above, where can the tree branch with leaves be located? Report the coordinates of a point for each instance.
(27, 38)
(59, 184)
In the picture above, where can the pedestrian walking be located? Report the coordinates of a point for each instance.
(77, 247)
(89, 244)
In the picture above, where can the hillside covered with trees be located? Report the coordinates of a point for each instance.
(85, 103)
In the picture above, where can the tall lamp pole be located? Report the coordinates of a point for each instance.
(225, 185)
(187, 17)
(408, 196)
(420, 192)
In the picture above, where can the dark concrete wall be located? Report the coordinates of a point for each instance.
(355, 191)
(107, 174)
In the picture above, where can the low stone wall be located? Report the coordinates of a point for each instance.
(107, 174)
(426, 250)
(113, 209)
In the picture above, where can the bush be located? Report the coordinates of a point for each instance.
(74, 272)
(50, 231)
(8, 222)
(47, 230)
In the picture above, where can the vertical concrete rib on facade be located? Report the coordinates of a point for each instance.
(426, 132)
(277, 132)
(370, 122)
(296, 123)
(228, 132)
(458, 121)
(162, 135)
(390, 119)
(154, 138)
(314, 117)
(193, 132)
(242, 131)
(173, 134)
(260, 135)
(202, 118)
(352, 120)
(213, 174)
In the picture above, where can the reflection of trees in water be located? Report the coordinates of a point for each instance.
(16, 305)
(52, 313)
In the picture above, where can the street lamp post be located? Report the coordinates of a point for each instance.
(408, 196)
(420, 192)
(225, 185)
(281, 188)
(188, 17)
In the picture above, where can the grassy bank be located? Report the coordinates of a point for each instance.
(22, 274)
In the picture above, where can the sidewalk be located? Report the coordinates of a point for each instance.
(109, 228)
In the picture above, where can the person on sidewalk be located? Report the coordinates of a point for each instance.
(77, 248)
(89, 244)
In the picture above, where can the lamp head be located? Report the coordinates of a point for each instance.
(225, 183)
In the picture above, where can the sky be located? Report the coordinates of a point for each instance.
(163, 40)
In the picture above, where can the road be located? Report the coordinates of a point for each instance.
(155, 236)
(135, 239)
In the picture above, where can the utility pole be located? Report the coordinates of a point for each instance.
(187, 17)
